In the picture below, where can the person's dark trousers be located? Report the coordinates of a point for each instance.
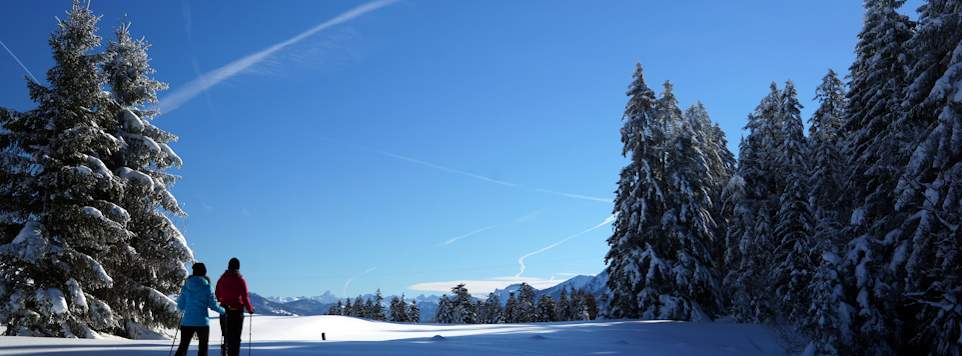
(232, 325)
(187, 333)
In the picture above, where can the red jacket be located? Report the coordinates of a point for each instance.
(232, 292)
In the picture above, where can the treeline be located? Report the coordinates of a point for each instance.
(399, 310)
(850, 233)
(461, 308)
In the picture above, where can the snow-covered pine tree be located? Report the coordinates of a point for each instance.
(358, 310)
(752, 196)
(492, 312)
(397, 309)
(564, 306)
(546, 309)
(55, 280)
(795, 257)
(826, 321)
(152, 263)
(930, 190)
(591, 305)
(336, 309)
(680, 282)
(462, 309)
(348, 308)
(526, 310)
(444, 314)
(375, 307)
(713, 144)
(639, 198)
(511, 309)
(876, 249)
(414, 312)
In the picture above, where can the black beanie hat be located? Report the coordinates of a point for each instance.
(199, 269)
(233, 264)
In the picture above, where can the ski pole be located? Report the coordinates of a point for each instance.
(174, 340)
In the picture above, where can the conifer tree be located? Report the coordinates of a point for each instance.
(397, 309)
(155, 265)
(827, 322)
(56, 283)
(511, 309)
(414, 312)
(444, 313)
(751, 195)
(525, 309)
(930, 190)
(872, 146)
(546, 309)
(639, 198)
(794, 254)
(564, 306)
(492, 312)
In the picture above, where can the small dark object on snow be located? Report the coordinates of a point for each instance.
(324, 336)
(438, 338)
(538, 337)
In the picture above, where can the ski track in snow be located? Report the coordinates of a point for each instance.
(277, 335)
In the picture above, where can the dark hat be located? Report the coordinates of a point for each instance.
(233, 264)
(199, 269)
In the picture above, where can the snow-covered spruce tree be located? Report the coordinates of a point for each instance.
(564, 306)
(397, 311)
(546, 309)
(713, 144)
(336, 309)
(461, 307)
(826, 322)
(639, 198)
(492, 312)
(152, 264)
(526, 308)
(876, 250)
(444, 314)
(930, 190)
(374, 307)
(414, 312)
(752, 196)
(795, 258)
(511, 309)
(54, 266)
(680, 283)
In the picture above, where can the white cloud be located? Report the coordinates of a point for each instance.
(481, 287)
(209, 79)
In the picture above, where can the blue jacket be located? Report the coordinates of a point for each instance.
(195, 297)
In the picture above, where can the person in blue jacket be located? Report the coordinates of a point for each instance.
(195, 297)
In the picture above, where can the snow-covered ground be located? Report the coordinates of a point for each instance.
(280, 335)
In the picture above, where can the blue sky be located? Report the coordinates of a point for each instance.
(431, 141)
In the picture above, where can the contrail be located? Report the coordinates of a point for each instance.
(19, 62)
(521, 259)
(209, 79)
(447, 169)
(575, 196)
(464, 236)
(349, 280)
(516, 221)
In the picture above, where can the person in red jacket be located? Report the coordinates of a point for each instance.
(232, 294)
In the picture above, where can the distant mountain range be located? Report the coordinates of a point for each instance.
(595, 285)
(319, 305)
